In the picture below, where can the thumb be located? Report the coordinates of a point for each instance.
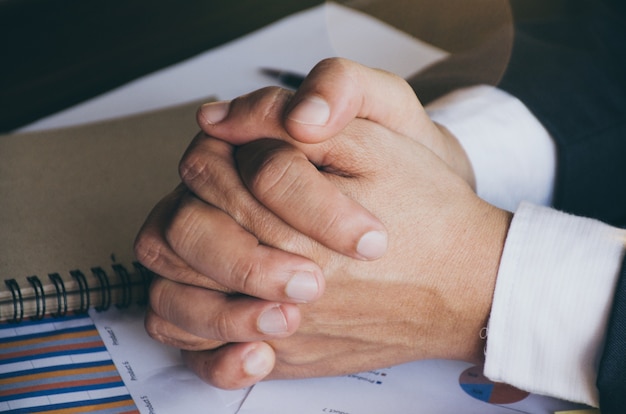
(339, 90)
(332, 95)
(233, 366)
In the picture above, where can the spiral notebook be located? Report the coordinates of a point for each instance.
(71, 203)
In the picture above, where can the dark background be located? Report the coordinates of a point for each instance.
(55, 54)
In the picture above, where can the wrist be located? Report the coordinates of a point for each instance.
(465, 279)
(482, 254)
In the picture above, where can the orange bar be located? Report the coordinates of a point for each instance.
(56, 337)
(65, 347)
(60, 373)
(93, 408)
(57, 385)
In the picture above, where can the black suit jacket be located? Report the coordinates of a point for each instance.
(568, 67)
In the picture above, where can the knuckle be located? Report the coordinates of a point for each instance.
(180, 233)
(276, 99)
(336, 65)
(160, 331)
(211, 370)
(247, 214)
(204, 163)
(225, 328)
(148, 249)
(248, 276)
(328, 228)
(265, 105)
(152, 326)
(194, 168)
(269, 101)
(155, 254)
(157, 294)
(276, 176)
(155, 319)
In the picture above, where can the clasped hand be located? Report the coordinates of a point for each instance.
(329, 231)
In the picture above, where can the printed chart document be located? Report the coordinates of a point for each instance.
(432, 386)
(58, 365)
(154, 374)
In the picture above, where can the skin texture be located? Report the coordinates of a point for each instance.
(265, 270)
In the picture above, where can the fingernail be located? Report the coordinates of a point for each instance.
(311, 111)
(214, 112)
(302, 287)
(272, 321)
(372, 245)
(256, 363)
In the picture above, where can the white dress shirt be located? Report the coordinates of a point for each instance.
(557, 273)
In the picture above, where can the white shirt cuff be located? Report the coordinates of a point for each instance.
(551, 303)
(513, 156)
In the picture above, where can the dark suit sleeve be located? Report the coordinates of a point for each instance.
(568, 66)
(612, 374)
(571, 73)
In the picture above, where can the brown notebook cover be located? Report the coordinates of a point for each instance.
(71, 203)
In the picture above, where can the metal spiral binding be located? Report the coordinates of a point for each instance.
(40, 297)
(18, 304)
(122, 274)
(85, 301)
(77, 293)
(105, 288)
(61, 295)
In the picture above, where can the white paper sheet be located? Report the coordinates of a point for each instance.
(433, 386)
(154, 374)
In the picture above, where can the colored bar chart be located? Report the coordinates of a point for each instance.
(59, 365)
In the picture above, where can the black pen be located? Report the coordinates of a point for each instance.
(289, 79)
